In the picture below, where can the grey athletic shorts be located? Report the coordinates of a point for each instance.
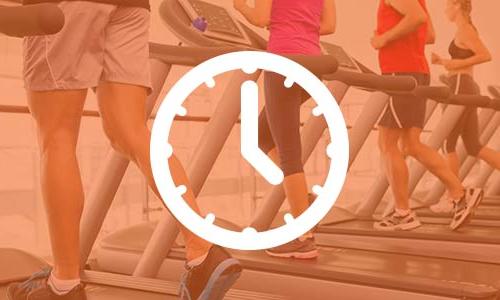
(99, 42)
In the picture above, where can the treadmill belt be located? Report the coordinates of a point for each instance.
(468, 234)
(483, 212)
(381, 269)
(96, 292)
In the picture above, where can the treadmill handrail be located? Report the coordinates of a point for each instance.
(31, 20)
(374, 81)
(187, 56)
(319, 65)
(193, 56)
(438, 93)
(494, 91)
(473, 100)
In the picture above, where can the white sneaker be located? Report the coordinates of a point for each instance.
(465, 207)
(394, 222)
(444, 206)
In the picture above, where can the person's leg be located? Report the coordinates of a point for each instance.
(453, 162)
(57, 115)
(470, 136)
(282, 133)
(123, 111)
(393, 161)
(450, 146)
(490, 156)
(396, 170)
(283, 115)
(434, 162)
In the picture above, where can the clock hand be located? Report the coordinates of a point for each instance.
(250, 135)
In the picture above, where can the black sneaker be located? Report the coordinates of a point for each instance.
(395, 222)
(465, 207)
(298, 248)
(36, 288)
(213, 278)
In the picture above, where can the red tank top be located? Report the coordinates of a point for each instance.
(406, 54)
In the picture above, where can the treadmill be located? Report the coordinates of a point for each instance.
(341, 272)
(17, 265)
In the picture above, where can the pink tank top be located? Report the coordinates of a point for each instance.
(295, 27)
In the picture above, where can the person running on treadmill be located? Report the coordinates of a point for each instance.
(466, 51)
(295, 27)
(404, 28)
(103, 45)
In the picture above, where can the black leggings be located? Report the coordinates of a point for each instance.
(279, 122)
(467, 126)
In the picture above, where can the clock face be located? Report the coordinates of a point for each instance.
(249, 62)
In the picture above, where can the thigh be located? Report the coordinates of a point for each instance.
(389, 137)
(126, 57)
(411, 138)
(57, 114)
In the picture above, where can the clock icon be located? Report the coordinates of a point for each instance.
(249, 62)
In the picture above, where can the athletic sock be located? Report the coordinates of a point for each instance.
(197, 261)
(62, 287)
(402, 212)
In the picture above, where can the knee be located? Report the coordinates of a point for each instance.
(291, 161)
(388, 147)
(124, 139)
(58, 141)
(412, 148)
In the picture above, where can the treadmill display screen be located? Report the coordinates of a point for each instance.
(345, 61)
(218, 18)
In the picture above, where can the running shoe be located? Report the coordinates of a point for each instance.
(465, 207)
(395, 222)
(37, 288)
(212, 278)
(301, 248)
(444, 206)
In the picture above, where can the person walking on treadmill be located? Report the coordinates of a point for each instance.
(404, 28)
(466, 51)
(104, 45)
(295, 27)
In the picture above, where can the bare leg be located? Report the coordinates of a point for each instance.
(490, 156)
(393, 160)
(434, 162)
(296, 191)
(123, 110)
(295, 187)
(57, 115)
(453, 162)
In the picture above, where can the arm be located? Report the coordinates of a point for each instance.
(328, 18)
(414, 16)
(472, 41)
(259, 15)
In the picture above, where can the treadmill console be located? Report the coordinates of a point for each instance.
(222, 25)
(346, 62)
